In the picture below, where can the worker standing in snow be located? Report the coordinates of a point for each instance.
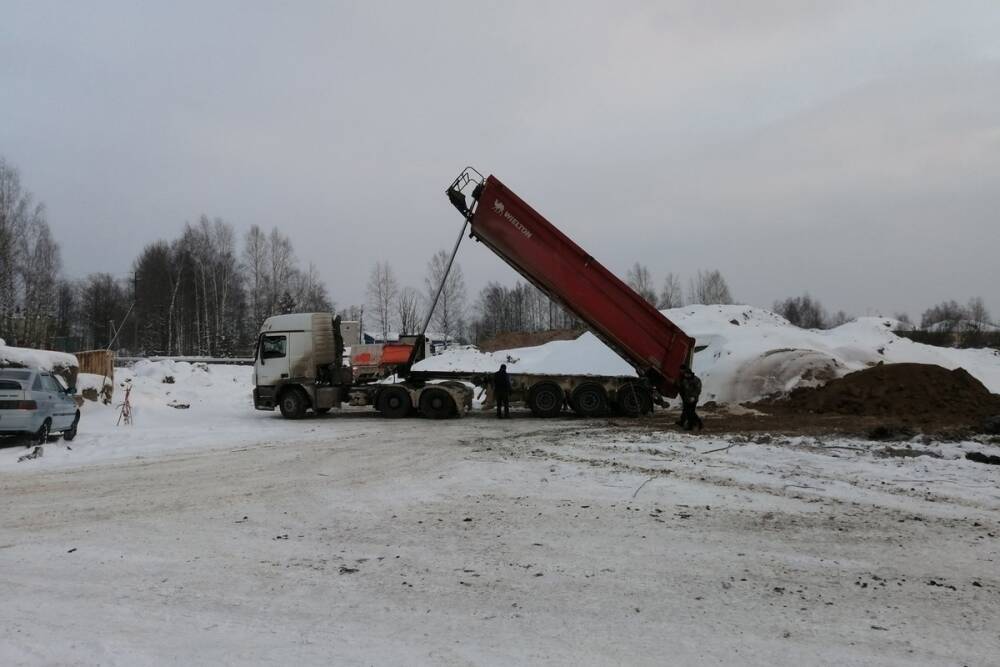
(690, 390)
(501, 391)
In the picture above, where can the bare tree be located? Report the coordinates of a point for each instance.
(709, 287)
(802, 311)
(310, 291)
(945, 316)
(39, 271)
(641, 280)
(281, 261)
(382, 292)
(450, 310)
(408, 310)
(104, 304)
(22, 226)
(839, 318)
(256, 251)
(671, 296)
(978, 315)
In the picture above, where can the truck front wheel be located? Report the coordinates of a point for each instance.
(293, 403)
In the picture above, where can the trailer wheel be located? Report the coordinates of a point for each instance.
(633, 400)
(546, 399)
(293, 403)
(589, 400)
(436, 404)
(394, 403)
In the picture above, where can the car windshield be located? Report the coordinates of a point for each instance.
(14, 374)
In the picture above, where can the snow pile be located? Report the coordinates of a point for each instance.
(752, 352)
(748, 353)
(586, 355)
(466, 359)
(93, 387)
(45, 360)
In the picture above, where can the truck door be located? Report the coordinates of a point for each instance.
(272, 360)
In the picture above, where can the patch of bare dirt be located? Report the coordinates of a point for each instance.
(886, 402)
(906, 393)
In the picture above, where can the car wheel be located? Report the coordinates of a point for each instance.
(42, 434)
(293, 404)
(70, 433)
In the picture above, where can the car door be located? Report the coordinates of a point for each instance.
(63, 407)
(49, 391)
(42, 397)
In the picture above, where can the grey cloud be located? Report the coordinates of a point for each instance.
(844, 148)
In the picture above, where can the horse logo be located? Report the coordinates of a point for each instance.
(498, 207)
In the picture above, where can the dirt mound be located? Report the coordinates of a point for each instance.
(910, 392)
(512, 339)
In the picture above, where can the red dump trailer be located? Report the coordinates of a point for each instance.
(535, 248)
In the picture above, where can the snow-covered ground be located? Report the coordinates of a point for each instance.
(521, 541)
(207, 532)
(203, 407)
(748, 353)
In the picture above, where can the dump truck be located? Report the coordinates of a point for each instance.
(628, 324)
(301, 362)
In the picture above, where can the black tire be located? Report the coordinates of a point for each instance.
(321, 411)
(589, 400)
(293, 403)
(437, 404)
(42, 434)
(394, 402)
(633, 400)
(546, 399)
(70, 433)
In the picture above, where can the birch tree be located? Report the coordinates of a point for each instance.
(450, 310)
(383, 290)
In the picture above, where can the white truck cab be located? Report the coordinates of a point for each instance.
(299, 366)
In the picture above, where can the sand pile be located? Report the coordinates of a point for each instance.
(904, 391)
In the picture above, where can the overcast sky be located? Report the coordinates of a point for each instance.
(848, 149)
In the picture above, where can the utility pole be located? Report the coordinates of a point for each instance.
(135, 320)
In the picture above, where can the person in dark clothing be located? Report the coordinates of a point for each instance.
(501, 391)
(690, 390)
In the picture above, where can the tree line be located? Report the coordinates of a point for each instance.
(207, 292)
(204, 293)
